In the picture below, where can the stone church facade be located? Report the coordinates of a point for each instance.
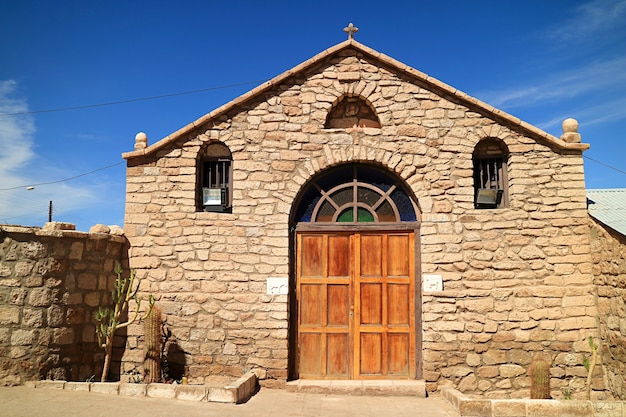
(354, 218)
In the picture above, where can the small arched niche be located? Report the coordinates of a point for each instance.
(351, 111)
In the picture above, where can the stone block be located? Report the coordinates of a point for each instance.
(609, 408)
(9, 315)
(475, 408)
(542, 408)
(40, 297)
(576, 408)
(508, 408)
(78, 386)
(22, 337)
(161, 390)
(111, 388)
(377, 387)
(412, 388)
(51, 384)
(222, 395)
(346, 387)
(191, 392)
(130, 389)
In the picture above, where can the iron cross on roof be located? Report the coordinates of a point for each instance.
(351, 30)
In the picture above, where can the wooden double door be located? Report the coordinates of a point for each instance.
(356, 305)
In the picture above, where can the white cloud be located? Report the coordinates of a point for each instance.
(590, 115)
(597, 77)
(16, 132)
(594, 17)
(20, 167)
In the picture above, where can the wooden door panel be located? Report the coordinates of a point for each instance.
(311, 305)
(338, 305)
(371, 311)
(398, 256)
(371, 354)
(338, 354)
(371, 255)
(312, 264)
(398, 345)
(398, 304)
(339, 256)
(310, 354)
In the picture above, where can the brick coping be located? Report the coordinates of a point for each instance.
(476, 407)
(60, 232)
(236, 392)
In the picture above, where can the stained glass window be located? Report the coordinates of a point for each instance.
(356, 194)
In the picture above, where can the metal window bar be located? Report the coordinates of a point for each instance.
(490, 173)
(217, 174)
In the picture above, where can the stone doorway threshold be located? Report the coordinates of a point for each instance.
(380, 387)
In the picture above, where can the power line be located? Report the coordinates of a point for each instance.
(64, 180)
(121, 162)
(112, 103)
(606, 165)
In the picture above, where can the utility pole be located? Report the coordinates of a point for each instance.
(50, 212)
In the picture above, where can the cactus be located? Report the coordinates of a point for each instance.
(590, 365)
(108, 319)
(540, 380)
(152, 330)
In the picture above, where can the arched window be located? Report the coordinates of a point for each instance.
(355, 194)
(215, 179)
(490, 174)
(351, 111)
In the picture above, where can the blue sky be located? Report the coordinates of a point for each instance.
(542, 61)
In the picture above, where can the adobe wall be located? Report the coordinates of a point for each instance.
(517, 281)
(609, 262)
(51, 283)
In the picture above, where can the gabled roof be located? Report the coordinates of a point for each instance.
(429, 81)
(608, 206)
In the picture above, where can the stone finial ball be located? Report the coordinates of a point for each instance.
(141, 141)
(570, 125)
(141, 137)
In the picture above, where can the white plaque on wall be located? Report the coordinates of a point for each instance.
(433, 283)
(277, 285)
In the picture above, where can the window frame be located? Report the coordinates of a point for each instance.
(490, 174)
(215, 160)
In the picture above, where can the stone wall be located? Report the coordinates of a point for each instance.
(517, 281)
(51, 282)
(609, 263)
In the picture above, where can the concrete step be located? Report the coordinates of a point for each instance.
(389, 388)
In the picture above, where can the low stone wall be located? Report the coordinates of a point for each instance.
(609, 262)
(52, 280)
(237, 392)
(476, 407)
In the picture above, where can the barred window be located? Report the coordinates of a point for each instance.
(490, 174)
(215, 179)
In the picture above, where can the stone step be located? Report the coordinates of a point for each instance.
(389, 388)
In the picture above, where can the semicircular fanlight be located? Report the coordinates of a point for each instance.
(356, 194)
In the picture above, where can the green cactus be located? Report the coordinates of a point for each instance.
(153, 333)
(539, 379)
(109, 318)
(590, 365)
